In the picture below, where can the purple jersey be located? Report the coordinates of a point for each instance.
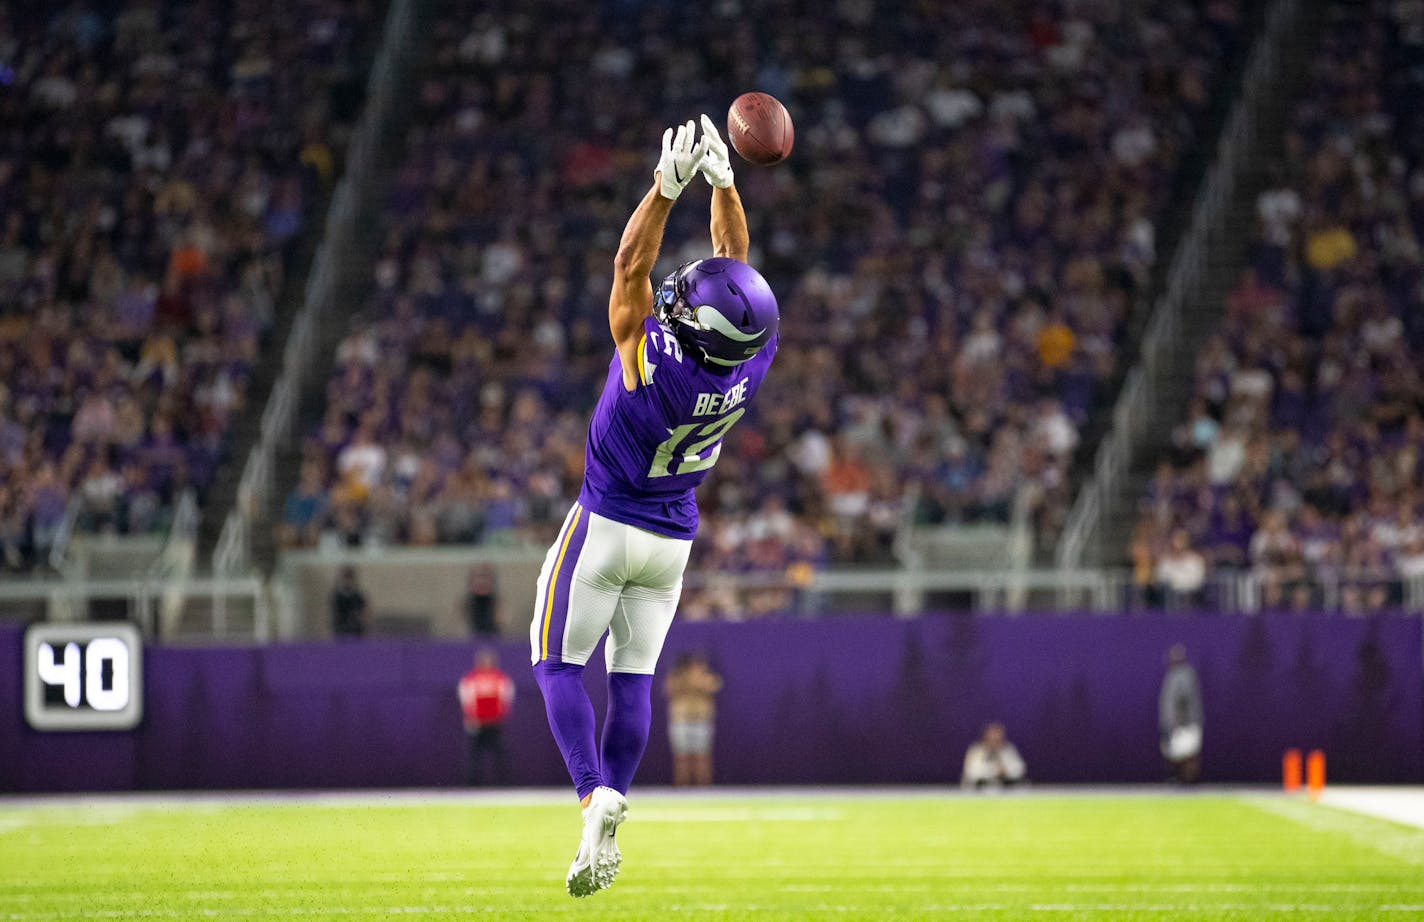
(649, 448)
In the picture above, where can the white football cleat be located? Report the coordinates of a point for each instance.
(596, 864)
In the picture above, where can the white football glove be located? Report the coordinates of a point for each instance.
(680, 159)
(716, 165)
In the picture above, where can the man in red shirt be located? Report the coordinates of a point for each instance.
(486, 696)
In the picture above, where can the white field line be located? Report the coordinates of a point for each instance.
(1396, 804)
(49, 894)
(859, 910)
(526, 797)
(113, 814)
(1403, 843)
(673, 814)
(107, 807)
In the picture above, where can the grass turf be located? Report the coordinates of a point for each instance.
(1062, 857)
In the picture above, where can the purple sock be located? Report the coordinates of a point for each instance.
(625, 729)
(571, 718)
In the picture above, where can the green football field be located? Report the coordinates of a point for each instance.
(754, 855)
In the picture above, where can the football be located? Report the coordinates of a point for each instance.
(760, 128)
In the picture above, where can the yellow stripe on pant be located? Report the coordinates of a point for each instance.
(554, 581)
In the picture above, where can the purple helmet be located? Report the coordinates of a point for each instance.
(721, 309)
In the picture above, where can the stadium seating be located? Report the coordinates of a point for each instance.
(957, 243)
(157, 160)
(1302, 455)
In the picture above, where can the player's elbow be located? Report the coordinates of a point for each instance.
(629, 263)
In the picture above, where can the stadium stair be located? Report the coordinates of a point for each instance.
(1204, 315)
(1171, 228)
(223, 492)
(353, 283)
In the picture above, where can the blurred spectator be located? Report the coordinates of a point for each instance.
(1055, 342)
(1274, 550)
(957, 303)
(692, 688)
(150, 189)
(303, 510)
(350, 615)
(1303, 453)
(481, 602)
(993, 761)
(1179, 710)
(1181, 573)
(486, 699)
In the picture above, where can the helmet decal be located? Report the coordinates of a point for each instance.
(709, 318)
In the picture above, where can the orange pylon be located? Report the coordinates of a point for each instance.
(1290, 771)
(1315, 772)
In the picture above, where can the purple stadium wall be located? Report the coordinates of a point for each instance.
(833, 701)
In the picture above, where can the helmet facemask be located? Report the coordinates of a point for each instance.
(670, 302)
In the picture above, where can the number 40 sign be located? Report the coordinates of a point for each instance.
(83, 676)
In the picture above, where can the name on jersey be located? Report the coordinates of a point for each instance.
(712, 404)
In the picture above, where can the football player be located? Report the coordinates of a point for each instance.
(690, 359)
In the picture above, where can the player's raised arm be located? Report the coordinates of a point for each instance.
(631, 300)
(729, 221)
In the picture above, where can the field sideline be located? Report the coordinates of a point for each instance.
(728, 854)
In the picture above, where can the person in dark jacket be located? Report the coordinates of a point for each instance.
(349, 612)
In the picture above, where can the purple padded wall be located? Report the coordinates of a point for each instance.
(832, 701)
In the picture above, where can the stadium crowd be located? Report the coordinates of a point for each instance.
(1302, 457)
(957, 242)
(157, 160)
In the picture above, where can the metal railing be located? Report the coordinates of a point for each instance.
(175, 560)
(827, 592)
(232, 554)
(1098, 495)
(170, 571)
(1104, 591)
(142, 599)
(802, 593)
(59, 549)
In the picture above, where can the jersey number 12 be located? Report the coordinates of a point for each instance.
(690, 459)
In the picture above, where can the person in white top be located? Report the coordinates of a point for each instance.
(1181, 571)
(993, 761)
(363, 457)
